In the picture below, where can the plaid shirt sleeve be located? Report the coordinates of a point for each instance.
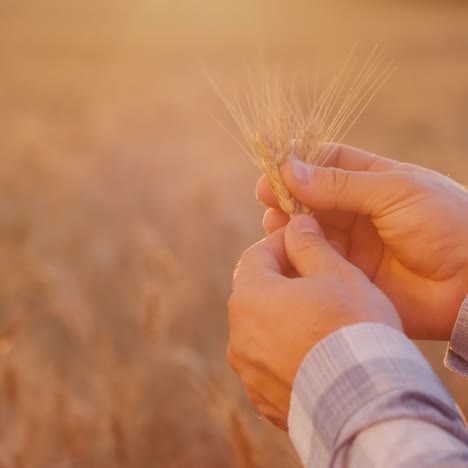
(457, 350)
(366, 397)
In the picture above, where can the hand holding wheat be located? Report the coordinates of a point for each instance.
(327, 294)
(405, 226)
(277, 129)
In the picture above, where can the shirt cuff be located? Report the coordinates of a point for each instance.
(456, 357)
(357, 377)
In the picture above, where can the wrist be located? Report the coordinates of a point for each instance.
(355, 376)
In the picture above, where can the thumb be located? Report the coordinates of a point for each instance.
(331, 188)
(306, 247)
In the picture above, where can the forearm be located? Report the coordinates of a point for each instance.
(366, 397)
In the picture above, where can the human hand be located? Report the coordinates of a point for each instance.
(291, 290)
(406, 227)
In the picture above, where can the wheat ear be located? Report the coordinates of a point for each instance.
(276, 128)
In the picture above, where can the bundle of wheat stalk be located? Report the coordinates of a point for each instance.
(278, 126)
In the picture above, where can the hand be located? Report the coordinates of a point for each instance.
(406, 227)
(290, 291)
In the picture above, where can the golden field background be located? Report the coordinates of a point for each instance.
(124, 206)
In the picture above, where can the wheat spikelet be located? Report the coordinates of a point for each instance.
(276, 128)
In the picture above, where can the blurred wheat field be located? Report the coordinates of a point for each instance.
(124, 206)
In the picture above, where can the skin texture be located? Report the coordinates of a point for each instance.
(290, 291)
(404, 226)
(385, 237)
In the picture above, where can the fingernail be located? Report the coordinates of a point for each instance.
(302, 172)
(305, 223)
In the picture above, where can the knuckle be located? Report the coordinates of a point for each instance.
(305, 243)
(302, 246)
(238, 303)
(244, 259)
(340, 181)
(233, 304)
(410, 180)
(334, 180)
(246, 256)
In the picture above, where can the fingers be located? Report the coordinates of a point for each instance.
(329, 188)
(339, 156)
(265, 194)
(307, 249)
(355, 159)
(265, 262)
(339, 247)
(274, 219)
